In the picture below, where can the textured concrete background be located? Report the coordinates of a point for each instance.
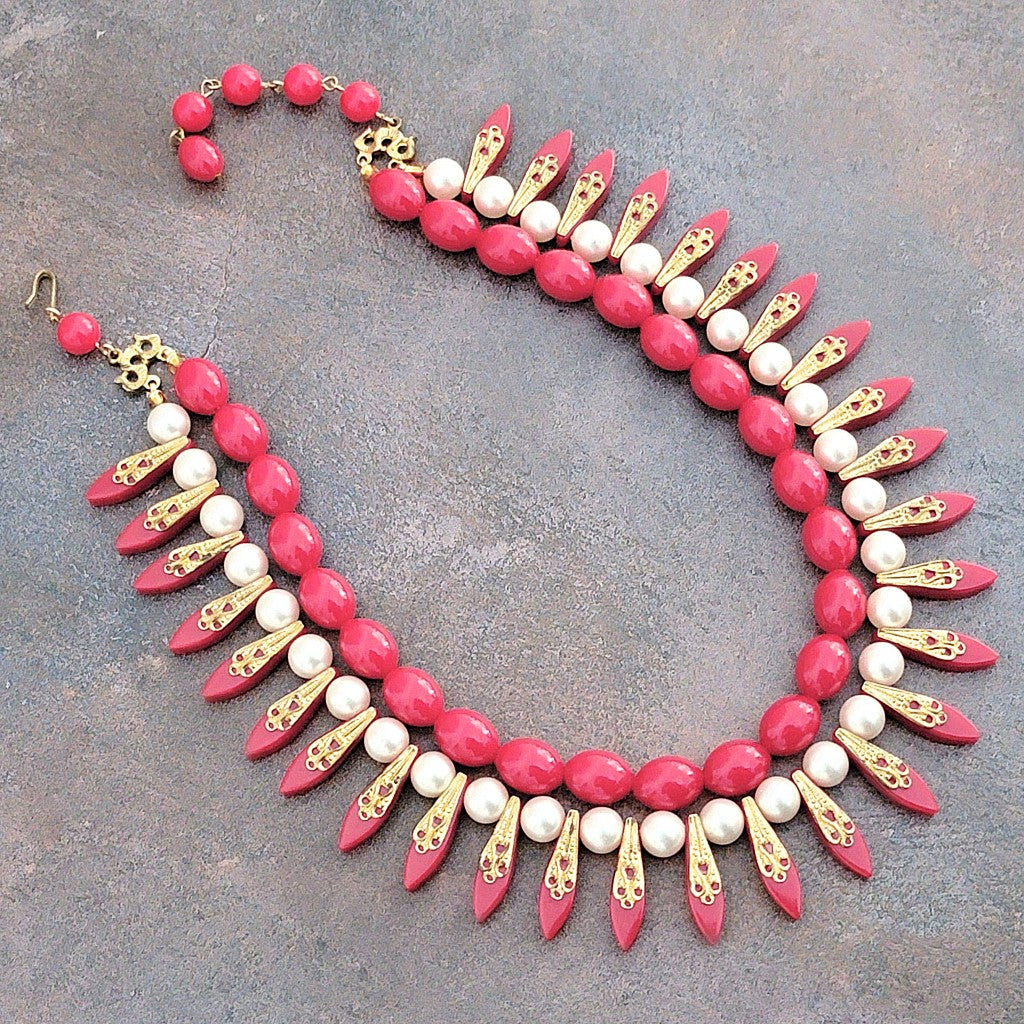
(559, 532)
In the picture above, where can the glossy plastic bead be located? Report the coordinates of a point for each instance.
(303, 85)
(668, 783)
(397, 194)
(200, 386)
(413, 696)
(240, 432)
(621, 301)
(241, 85)
(668, 342)
(78, 333)
(798, 480)
(467, 737)
(789, 725)
(765, 425)
(199, 158)
(564, 275)
(295, 544)
(368, 648)
(736, 767)
(359, 102)
(272, 485)
(192, 112)
(840, 604)
(822, 667)
(598, 777)
(327, 597)
(507, 249)
(719, 382)
(829, 538)
(530, 766)
(450, 225)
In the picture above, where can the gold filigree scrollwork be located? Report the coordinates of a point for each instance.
(162, 515)
(702, 875)
(284, 713)
(133, 468)
(379, 795)
(822, 355)
(184, 561)
(432, 829)
(640, 211)
(943, 644)
(628, 881)
(888, 454)
(890, 770)
(938, 574)
(587, 190)
(388, 141)
(488, 143)
(915, 512)
(325, 751)
(692, 246)
(563, 865)
(540, 173)
(738, 278)
(496, 856)
(773, 860)
(919, 708)
(222, 611)
(783, 308)
(833, 822)
(865, 401)
(134, 362)
(248, 660)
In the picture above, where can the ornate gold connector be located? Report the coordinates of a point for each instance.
(390, 141)
(134, 362)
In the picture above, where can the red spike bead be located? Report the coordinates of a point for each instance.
(668, 342)
(764, 257)
(973, 580)
(200, 159)
(766, 426)
(800, 483)
(507, 249)
(598, 777)
(413, 696)
(241, 85)
(359, 102)
(789, 725)
(192, 112)
(487, 896)
(564, 275)
(626, 922)
(840, 603)
(736, 767)
(668, 783)
(397, 194)
(355, 829)
(368, 648)
(957, 505)
(915, 797)
(78, 333)
(716, 223)
(502, 120)
(105, 490)
(189, 638)
(603, 164)
(327, 597)
(450, 225)
(240, 432)
(294, 543)
(201, 386)
(223, 685)
(303, 85)
(560, 147)
(263, 742)
(855, 333)
(154, 580)
(530, 766)
(421, 867)
(272, 485)
(719, 382)
(136, 537)
(856, 857)
(708, 917)
(976, 655)
(829, 538)
(927, 441)
(299, 778)
(823, 666)
(657, 185)
(804, 288)
(467, 737)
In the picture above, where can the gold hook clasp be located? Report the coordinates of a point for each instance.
(51, 310)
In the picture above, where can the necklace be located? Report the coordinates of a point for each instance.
(473, 208)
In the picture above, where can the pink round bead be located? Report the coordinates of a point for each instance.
(765, 426)
(719, 382)
(78, 333)
(200, 159)
(736, 767)
(507, 249)
(564, 275)
(450, 225)
(368, 648)
(467, 737)
(668, 342)
(241, 85)
(822, 667)
(829, 538)
(397, 194)
(303, 85)
(799, 481)
(272, 485)
(598, 777)
(359, 102)
(840, 603)
(192, 112)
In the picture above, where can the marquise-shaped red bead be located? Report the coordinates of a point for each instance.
(490, 147)
(155, 579)
(915, 796)
(851, 852)
(137, 537)
(421, 866)
(553, 913)
(299, 778)
(853, 335)
(684, 258)
(590, 198)
(638, 219)
(926, 443)
(626, 922)
(955, 505)
(106, 491)
(191, 636)
(264, 741)
(779, 325)
(372, 807)
(973, 579)
(763, 257)
(974, 656)
(223, 684)
(558, 148)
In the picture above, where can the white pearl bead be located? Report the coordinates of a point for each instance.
(882, 663)
(769, 363)
(601, 829)
(722, 820)
(443, 178)
(167, 421)
(309, 655)
(193, 467)
(540, 220)
(641, 261)
(485, 800)
(431, 774)
(542, 818)
(662, 833)
(276, 609)
(826, 763)
(682, 296)
(835, 450)
(883, 551)
(889, 608)
(727, 330)
(806, 403)
(592, 240)
(778, 799)
(385, 739)
(863, 498)
(221, 515)
(863, 716)
(245, 563)
(493, 196)
(347, 696)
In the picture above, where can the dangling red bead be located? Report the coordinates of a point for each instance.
(799, 481)
(736, 767)
(397, 194)
(840, 604)
(241, 85)
(240, 432)
(829, 538)
(598, 777)
(450, 225)
(78, 333)
(327, 597)
(272, 485)
(622, 301)
(765, 426)
(192, 112)
(294, 543)
(822, 667)
(564, 275)
(668, 783)
(467, 737)
(368, 648)
(668, 342)
(507, 249)
(359, 102)
(201, 386)
(719, 382)
(530, 766)
(303, 85)
(789, 725)
(200, 159)
(413, 696)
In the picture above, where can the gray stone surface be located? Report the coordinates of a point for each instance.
(562, 534)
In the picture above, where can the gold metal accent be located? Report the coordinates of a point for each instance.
(222, 611)
(432, 829)
(938, 574)
(783, 307)
(379, 795)
(890, 770)
(628, 881)
(41, 275)
(388, 141)
(284, 713)
(162, 515)
(331, 83)
(834, 823)
(325, 752)
(773, 860)
(248, 660)
(134, 362)
(692, 246)
(563, 866)
(540, 172)
(585, 192)
(489, 140)
(943, 644)
(640, 211)
(919, 708)
(892, 452)
(496, 856)
(738, 278)
(702, 875)
(184, 561)
(822, 355)
(133, 468)
(914, 512)
(865, 401)
(209, 86)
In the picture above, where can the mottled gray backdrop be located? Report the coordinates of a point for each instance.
(559, 532)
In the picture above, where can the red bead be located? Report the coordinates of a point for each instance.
(303, 85)
(530, 766)
(765, 426)
(397, 194)
(413, 696)
(789, 725)
(598, 776)
(564, 275)
(466, 737)
(272, 485)
(668, 342)
(240, 432)
(368, 648)
(294, 543)
(507, 249)
(450, 225)
(622, 301)
(201, 386)
(840, 603)
(736, 767)
(78, 333)
(192, 112)
(327, 597)
(200, 159)
(830, 539)
(359, 102)
(799, 481)
(668, 783)
(822, 667)
(241, 85)
(719, 382)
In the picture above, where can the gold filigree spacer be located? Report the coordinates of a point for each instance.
(388, 141)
